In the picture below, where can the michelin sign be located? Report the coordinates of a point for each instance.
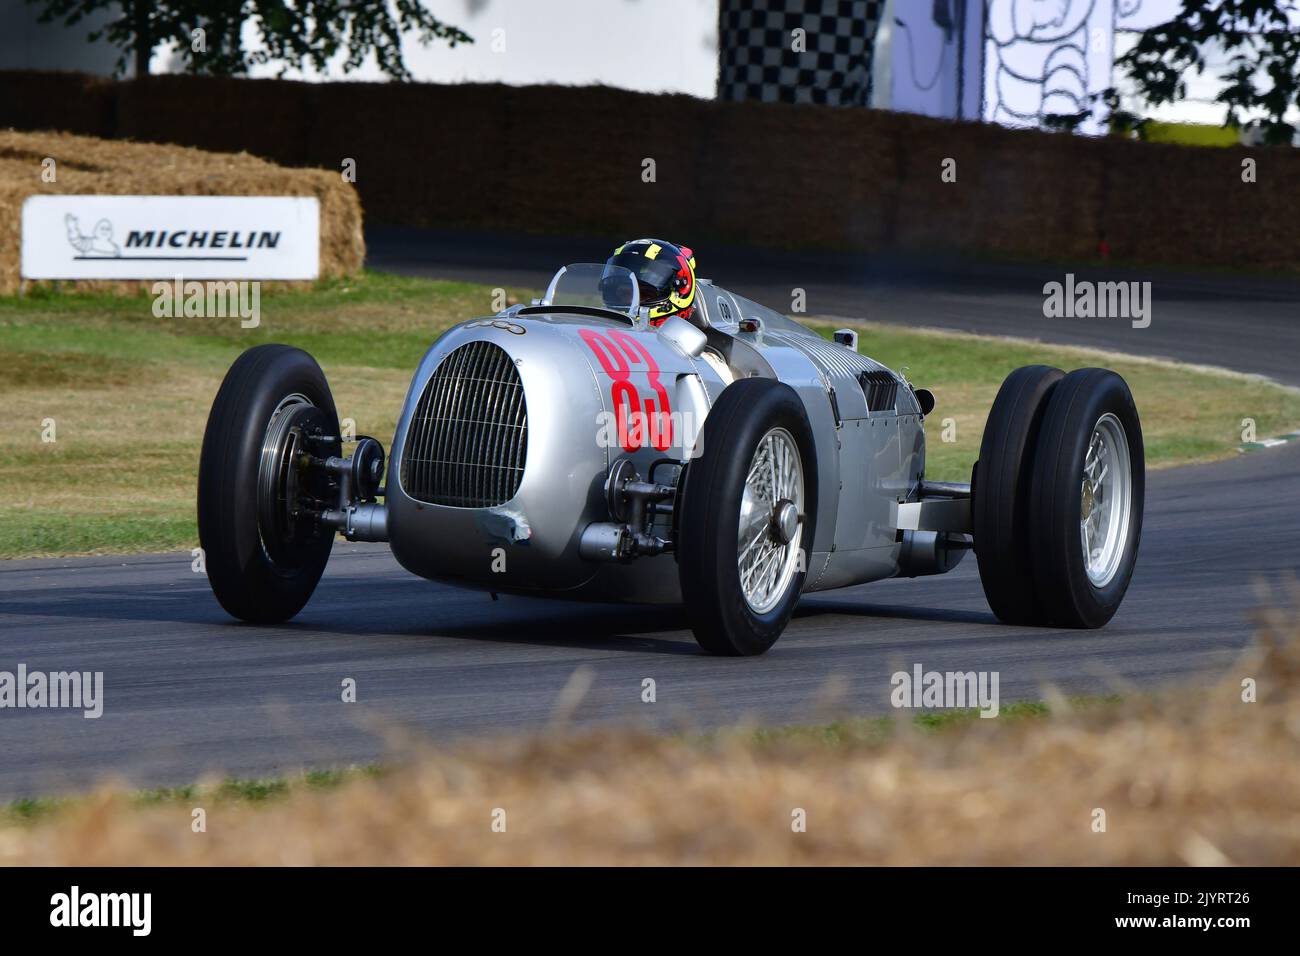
(158, 237)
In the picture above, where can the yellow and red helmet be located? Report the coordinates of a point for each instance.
(665, 275)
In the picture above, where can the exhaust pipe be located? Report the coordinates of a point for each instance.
(931, 552)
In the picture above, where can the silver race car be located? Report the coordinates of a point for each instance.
(583, 447)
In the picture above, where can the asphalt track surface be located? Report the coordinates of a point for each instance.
(188, 692)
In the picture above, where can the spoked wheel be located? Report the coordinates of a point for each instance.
(1088, 489)
(259, 489)
(1105, 500)
(745, 518)
(767, 551)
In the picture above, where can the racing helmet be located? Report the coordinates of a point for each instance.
(665, 275)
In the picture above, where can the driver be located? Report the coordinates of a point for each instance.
(665, 275)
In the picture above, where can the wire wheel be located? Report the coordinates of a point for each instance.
(771, 509)
(746, 516)
(1105, 500)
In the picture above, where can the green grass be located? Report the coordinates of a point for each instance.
(129, 394)
(232, 790)
(873, 730)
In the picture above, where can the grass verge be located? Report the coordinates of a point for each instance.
(126, 395)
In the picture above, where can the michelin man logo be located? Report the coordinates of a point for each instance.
(1046, 57)
(98, 243)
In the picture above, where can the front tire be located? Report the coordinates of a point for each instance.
(264, 557)
(746, 520)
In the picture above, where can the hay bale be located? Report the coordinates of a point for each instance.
(87, 165)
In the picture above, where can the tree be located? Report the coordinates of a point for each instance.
(301, 34)
(1262, 40)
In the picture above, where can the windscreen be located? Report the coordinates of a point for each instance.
(593, 285)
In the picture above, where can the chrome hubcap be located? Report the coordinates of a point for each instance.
(1105, 500)
(785, 521)
(771, 510)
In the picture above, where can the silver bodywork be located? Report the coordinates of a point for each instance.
(869, 463)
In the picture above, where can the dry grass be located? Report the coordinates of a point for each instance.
(1193, 777)
(157, 416)
(87, 165)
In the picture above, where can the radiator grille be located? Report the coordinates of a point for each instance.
(468, 441)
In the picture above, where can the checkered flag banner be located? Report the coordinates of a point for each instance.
(760, 58)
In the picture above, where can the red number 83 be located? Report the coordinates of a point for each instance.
(617, 352)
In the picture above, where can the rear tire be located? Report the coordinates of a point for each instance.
(727, 617)
(1000, 493)
(1091, 428)
(262, 564)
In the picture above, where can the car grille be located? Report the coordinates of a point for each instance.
(468, 440)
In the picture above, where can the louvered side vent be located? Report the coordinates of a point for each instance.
(468, 441)
(836, 359)
(881, 390)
